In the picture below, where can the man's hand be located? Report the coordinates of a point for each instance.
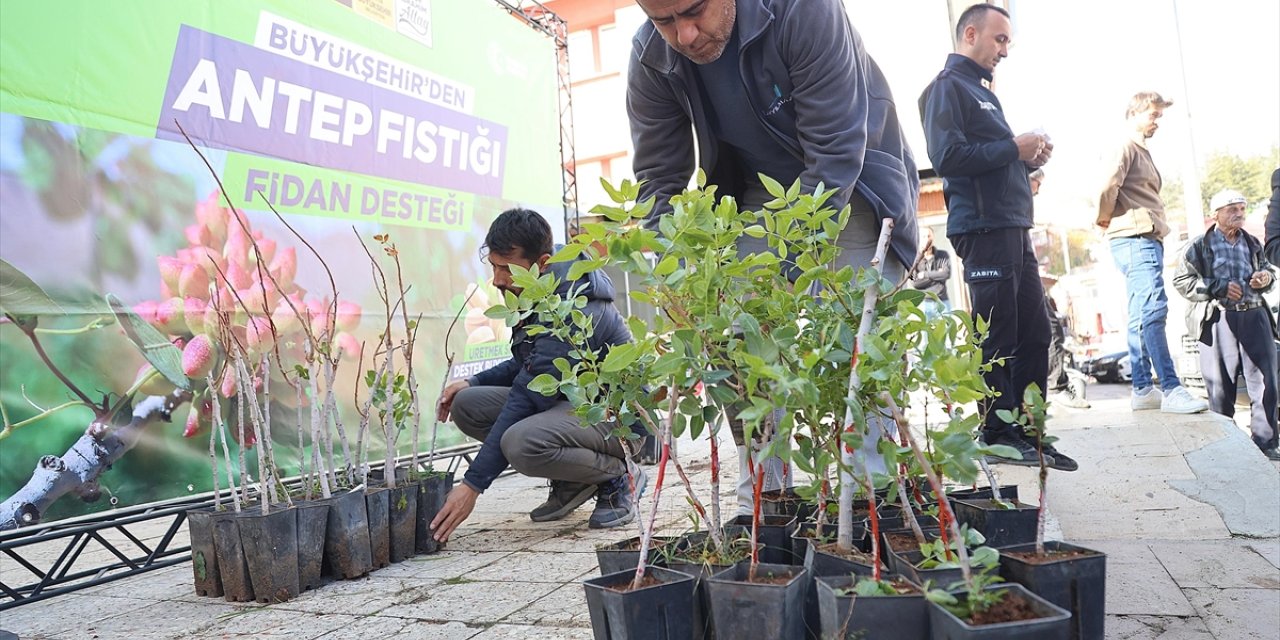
(1234, 291)
(1260, 279)
(1030, 145)
(446, 399)
(1042, 158)
(458, 505)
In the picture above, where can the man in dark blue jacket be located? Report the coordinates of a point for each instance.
(539, 435)
(984, 169)
(782, 88)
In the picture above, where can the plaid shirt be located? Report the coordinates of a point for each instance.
(1232, 261)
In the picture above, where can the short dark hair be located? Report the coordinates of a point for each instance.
(974, 15)
(519, 229)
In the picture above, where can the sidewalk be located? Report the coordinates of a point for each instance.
(1186, 508)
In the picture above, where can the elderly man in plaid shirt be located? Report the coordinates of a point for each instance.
(1225, 274)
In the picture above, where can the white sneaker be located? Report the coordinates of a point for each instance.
(1145, 400)
(1179, 400)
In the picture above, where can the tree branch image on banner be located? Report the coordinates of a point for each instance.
(120, 252)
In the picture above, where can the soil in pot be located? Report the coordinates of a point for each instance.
(433, 488)
(346, 545)
(1071, 577)
(844, 615)
(377, 502)
(660, 609)
(1018, 615)
(232, 567)
(1001, 526)
(768, 605)
(403, 504)
(1007, 491)
(313, 518)
(204, 557)
(271, 552)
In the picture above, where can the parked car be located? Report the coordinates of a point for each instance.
(1110, 367)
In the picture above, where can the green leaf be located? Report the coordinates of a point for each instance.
(755, 231)
(545, 384)
(620, 357)
(568, 253)
(162, 354)
(21, 296)
(774, 188)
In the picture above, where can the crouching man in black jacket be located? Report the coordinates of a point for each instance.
(539, 435)
(984, 169)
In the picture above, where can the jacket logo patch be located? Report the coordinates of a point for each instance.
(985, 273)
(986, 106)
(778, 101)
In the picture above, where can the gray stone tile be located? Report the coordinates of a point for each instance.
(1223, 564)
(522, 632)
(470, 602)
(1239, 614)
(267, 623)
(1269, 549)
(70, 612)
(524, 566)
(161, 622)
(564, 607)
(454, 564)
(359, 597)
(400, 628)
(1157, 628)
(162, 584)
(499, 540)
(1137, 584)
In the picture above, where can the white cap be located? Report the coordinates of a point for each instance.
(1226, 197)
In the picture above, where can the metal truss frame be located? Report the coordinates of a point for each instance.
(539, 17)
(76, 535)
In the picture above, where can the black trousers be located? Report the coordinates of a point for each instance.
(1242, 341)
(1004, 289)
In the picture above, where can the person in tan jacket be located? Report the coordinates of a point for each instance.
(1131, 212)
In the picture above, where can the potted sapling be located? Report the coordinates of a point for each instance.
(1067, 575)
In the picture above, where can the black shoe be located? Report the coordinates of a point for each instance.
(562, 500)
(616, 503)
(1061, 461)
(1272, 454)
(1026, 450)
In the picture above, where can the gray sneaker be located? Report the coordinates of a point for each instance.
(562, 500)
(616, 503)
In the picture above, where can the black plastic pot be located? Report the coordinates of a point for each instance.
(742, 609)
(624, 555)
(232, 566)
(377, 501)
(821, 563)
(403, 504)
(941, 578)
(931, 533)
(901, 617)
(785, 502)
(775, 534)
(346, 544)
(204, 557)
(313, 518)
(1054, 623)
(1077, 584)
(1001, 527)
(660, 612)
(271, 552)
(1007, 491)
(433, 488)
(701, 621)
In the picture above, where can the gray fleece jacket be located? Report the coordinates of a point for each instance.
(810, 82)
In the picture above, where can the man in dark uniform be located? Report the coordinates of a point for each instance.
(984, 167)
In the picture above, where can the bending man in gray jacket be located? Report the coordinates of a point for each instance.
(782, 88)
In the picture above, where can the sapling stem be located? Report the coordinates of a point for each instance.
(873, 519)
(944, 509)
(646, 535)
(844, 537)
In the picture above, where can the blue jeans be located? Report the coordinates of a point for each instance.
(934, 308)
(1141, 260)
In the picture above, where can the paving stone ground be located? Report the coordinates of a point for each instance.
(1185, 507)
